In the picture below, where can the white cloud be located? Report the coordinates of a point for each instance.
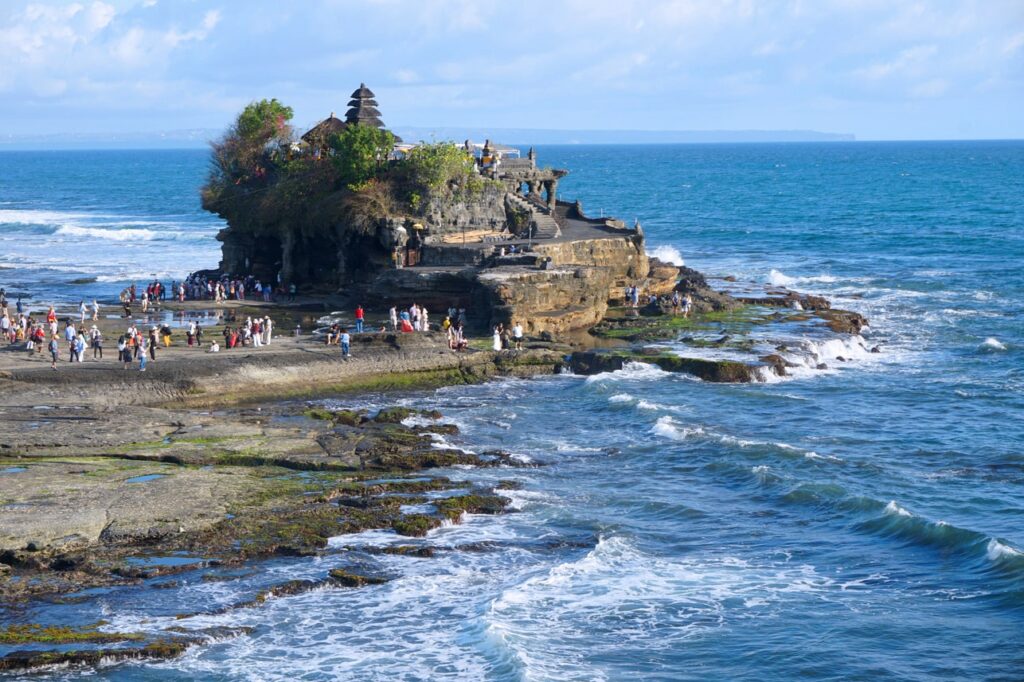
(930, 88)
(908, 60)
(173, 37)
(406, 76)
(1013, 44)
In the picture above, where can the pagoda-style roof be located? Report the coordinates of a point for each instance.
(324, 129)
(365, 102)
(362, 92)
(363, 109)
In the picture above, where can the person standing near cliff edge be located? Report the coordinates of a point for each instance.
(359, 319)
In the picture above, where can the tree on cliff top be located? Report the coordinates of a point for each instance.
(243, 153)
(361, 153)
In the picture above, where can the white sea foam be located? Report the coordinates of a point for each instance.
(895, 509)
(777, 278)
(992, 343)
(631, 371)
(810, 454)
(32, 217)
(666, 427)
(620, 398)
(617, 592)
(122, 235)
(997, 550)
(667, 254)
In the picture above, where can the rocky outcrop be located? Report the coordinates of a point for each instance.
(554, 300)
(717, 371)
(705, 299)
(662, 277)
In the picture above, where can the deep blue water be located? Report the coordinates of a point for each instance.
(860, 523)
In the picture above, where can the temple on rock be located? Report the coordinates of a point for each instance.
(511, 249)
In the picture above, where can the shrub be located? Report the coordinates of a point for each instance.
(361, 153)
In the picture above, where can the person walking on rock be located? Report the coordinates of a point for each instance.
(346, 340)
(517, 335)
(54, 350)
(359, 319)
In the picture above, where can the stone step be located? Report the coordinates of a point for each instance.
(547, 228)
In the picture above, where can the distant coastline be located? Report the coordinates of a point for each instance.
(198, 138)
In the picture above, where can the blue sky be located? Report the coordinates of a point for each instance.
(881, 69)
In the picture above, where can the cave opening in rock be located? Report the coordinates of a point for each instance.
(266, 257)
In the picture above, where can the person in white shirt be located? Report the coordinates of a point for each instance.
(517, 335)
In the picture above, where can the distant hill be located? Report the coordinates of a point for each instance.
(199, 137)
(550, 136)
(169, 139)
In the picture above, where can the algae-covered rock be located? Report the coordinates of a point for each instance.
(410, 550)
(452, 508)
(396, 415)
(28, 660)
(718, 371)
(34, 633)
(349, 579)
(415, 525)
(346, 417)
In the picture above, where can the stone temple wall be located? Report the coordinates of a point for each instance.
(486, 211)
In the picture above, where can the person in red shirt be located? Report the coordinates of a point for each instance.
(359, 319)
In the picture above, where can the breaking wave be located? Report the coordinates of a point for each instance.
(777, 278)
(992, 344)
(630, 371)
(667, 254)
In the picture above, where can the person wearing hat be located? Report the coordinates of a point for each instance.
(96, 341)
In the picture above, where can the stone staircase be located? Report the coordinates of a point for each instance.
(542, 221)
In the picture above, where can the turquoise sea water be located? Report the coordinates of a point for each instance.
(860, 523)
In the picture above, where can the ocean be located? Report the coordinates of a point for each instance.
(861, 522)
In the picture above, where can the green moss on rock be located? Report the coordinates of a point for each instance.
(452, 508)
(415, 525)
(349, 579)
(34, 633)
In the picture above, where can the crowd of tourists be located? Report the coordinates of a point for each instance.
(134, 345)
(197, 287)
(415, 318)
(77, 338)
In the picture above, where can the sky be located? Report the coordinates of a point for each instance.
(880, 69)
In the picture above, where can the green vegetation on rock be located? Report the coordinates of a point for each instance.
(415, 525)
(349, 579)
(452, 508)
(34, 633)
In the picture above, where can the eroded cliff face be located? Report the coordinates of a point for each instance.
(554, 300)
(484, 211)
(561, 284)
(623, 259)
(338, 239)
